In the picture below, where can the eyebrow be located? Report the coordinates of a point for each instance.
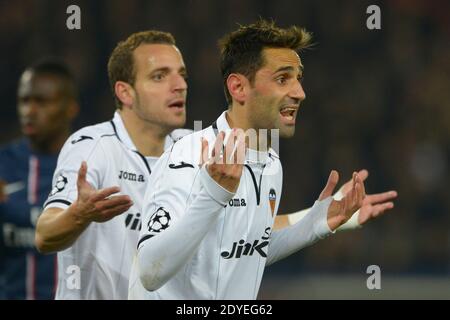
(167, 69)
(289, 68)
(164, 69)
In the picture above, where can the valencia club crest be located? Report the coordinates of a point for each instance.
(272, 199)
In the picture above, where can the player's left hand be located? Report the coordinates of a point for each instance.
(340, 211)
(374, 205)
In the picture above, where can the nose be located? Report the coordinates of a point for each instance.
(179, 83)
(297, 92)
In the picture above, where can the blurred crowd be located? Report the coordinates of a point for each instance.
(376, 99)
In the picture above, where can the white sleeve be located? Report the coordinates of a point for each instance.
(174, 224)
(64, 185)
(311, 228)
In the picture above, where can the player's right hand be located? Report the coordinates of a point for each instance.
(3, 197)
(98, 205)
(226, 164)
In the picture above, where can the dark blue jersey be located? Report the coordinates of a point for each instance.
(24, 273)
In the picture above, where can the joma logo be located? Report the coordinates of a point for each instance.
(130, 176)
(237, 203)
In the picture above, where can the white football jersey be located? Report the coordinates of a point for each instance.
(97, 265)
(199, 241)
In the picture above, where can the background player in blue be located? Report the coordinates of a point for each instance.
(46, 105)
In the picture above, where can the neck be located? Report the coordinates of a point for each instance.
(148, 138)
(50, 146)
(238, 116)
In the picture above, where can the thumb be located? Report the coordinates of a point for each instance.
(82, 174)
(331, 184)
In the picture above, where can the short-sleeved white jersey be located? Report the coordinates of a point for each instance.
(101, 257)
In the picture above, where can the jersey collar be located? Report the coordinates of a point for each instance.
(121, 131)
(122, 134)
(252, 156)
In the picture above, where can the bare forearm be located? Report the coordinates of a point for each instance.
(58, 229)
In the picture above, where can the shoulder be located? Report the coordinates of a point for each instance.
(93, 133)
(180, 161)
(86, 144)
(274, 168)
(174, 136)
(189, 146)
(88, 137)
(273, 154)
(274, 157)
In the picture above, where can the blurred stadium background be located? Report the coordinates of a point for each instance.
(376, 99)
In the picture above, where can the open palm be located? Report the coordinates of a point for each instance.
(373, 205)
(99, 205)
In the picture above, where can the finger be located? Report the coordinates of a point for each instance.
(361, 193)
(236, 149)
(240, 147)
(380, 209)
(331, 184)
(104, 193)
(348, 186)
(239, 154)
(218, 146)
(363, 174)
(112, 202)
(363, 190)
(204, 153)
(228, 153)
(359, 187)
(355, 192)
(82, 174)
(352, 192)
(380, 197)
(111, 213)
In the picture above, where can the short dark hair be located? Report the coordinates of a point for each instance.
(121, 62)
(241, 50)
(57, 68)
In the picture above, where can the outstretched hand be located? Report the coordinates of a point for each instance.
(98, 205)
(340, 211)
(374, 205)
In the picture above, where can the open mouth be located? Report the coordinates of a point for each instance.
(288, 113)
(177, 104)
